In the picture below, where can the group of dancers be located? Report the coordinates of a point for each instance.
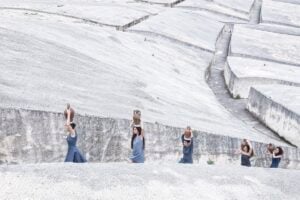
(247, 152)
(138, 144)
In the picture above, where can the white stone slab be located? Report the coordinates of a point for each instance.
(242, 73)
(162, 2)
(47, 61)
(184, 25)
(276, 28)
(115, 13)
(240, 5)
(216, 9)
(265, 45)
(281, 13)
(289, 1)
(278, 106)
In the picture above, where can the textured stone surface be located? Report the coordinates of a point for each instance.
(108, 73)
(146, 181)
(36, 136)
(242, 73)
(278, 107)
(221, 11)
(276, 28)
(217, 83)
(240, 5)
(200, 31)
(104, 12)
(161, 2)
(281, 13)
(264, 45)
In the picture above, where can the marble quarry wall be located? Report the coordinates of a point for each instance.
(29, 136)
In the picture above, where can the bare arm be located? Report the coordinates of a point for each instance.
(67, 125)
(245, 153)
(274, 156)
(68, 117)
(249, 143)
(143, 133)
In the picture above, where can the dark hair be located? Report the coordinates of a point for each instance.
(245, 145)
(280, 151)
(248, 147)
(139, 129)
(73, 125)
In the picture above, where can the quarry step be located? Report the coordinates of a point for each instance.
(264, 45)
(273, 13)
(277, 106)
(241, 73)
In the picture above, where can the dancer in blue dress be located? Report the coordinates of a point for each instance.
(187, 142)
(246, 152)
(73, 154)
(137, 146)
(276, 157)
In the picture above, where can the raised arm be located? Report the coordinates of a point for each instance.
(68, 116)
(245, 153)
(274, 156)
(249, 143)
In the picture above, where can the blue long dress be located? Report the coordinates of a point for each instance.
(137, 155)
(275, 162)
(187, 152)
(74, 154)
(245, 161)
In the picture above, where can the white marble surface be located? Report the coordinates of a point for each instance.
(242, 5)
(278, 107)
(117, 13)
(260, 44)
(49, 60)
(247, 67)
(215, 8)
(242, 73)
(276, 28)
(165, 2)
(281, 13)
(287, 96)
(150, 182)
(107, 73)
(200, 31)
(289, 1)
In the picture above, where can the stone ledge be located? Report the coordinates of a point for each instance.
(278, 113)
(242, 73)
(29, 136)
